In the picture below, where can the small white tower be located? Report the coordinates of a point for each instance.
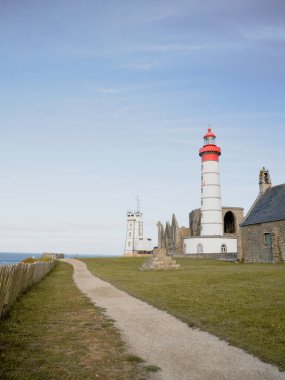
(211, 207)
(134, 231)
(135, 242)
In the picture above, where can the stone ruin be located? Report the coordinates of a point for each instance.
(159, 260)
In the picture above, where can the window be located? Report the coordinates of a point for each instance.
(130, 234)
(209, 140)
(268, 239)
(223, 248)
(199, 248)
(141, 229)
(129, 244)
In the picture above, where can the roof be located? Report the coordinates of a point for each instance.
(269, 207)
(209, 134)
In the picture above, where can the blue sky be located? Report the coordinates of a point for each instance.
(104, 100)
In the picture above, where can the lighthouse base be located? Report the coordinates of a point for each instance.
(207, 246)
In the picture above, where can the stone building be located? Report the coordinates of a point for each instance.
(263, 229)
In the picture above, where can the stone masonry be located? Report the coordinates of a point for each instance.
(171, 236)
(254, 246)
(232, 217)
(159, 260)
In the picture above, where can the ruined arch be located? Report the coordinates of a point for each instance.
(229, 223)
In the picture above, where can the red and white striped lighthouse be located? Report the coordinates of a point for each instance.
(211, 207)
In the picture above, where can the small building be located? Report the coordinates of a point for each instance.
(263, 229)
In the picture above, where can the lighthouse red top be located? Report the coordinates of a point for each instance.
(210, 151)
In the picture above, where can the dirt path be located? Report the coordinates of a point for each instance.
(162, 340)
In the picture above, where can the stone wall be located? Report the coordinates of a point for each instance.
(183, 233)
(253, 242)
(171, 236)
(238, 216)
(216, 256)
(195, 221)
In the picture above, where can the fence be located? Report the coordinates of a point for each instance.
(14, 279)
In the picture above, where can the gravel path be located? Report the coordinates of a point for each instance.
(180, 351)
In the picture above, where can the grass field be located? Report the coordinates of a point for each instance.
(54, 332)
(241, 303)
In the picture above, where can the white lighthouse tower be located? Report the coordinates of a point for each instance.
(211, 207)
(211, 240)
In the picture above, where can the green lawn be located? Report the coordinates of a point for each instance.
(241, 303)
(54, 332)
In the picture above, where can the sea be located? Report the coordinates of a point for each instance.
(14, 257)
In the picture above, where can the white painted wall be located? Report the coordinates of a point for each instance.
(134, 231)
(144, 245)
(209, 245)
(211, 205)
(134, 236)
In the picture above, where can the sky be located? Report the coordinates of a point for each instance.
(102, 101)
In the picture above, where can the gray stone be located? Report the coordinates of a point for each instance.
(159, 260)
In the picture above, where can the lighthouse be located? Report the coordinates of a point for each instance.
(211, 207)
(211, 241)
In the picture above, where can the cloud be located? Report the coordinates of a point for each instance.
(109, 90)
(270, 32)
(62, 229)
(140, 65)
(153, 11)
(123, 111)
(157, 48)
(177, 47)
